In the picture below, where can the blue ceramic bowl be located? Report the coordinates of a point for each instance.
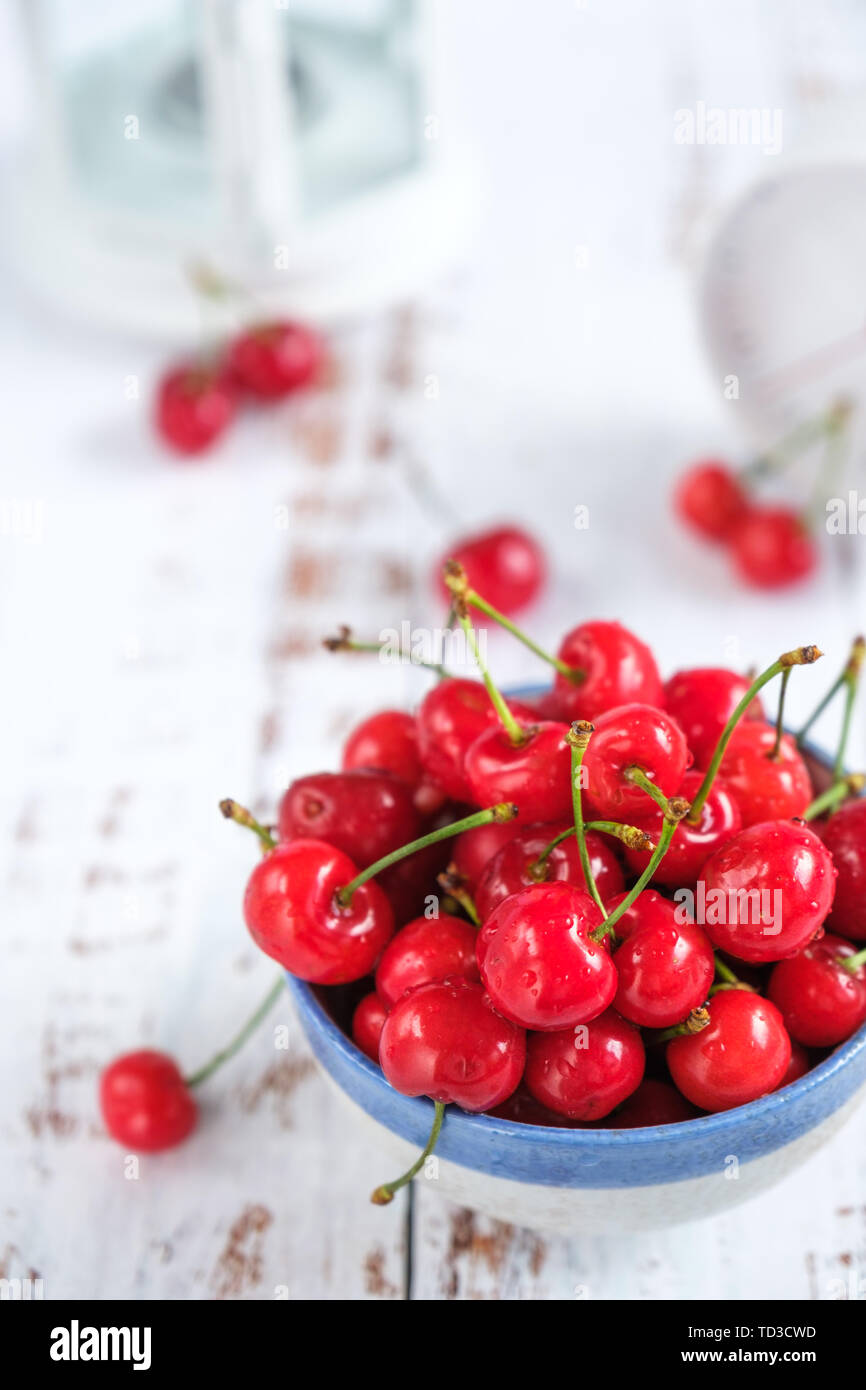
(595, 1180)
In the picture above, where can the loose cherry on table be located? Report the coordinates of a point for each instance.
(711, 499)
(742, 1054)
(195, 404)
(772, 547)
(612, 666)
(821, 992)
(633, 735)
(426, 949)
(517, 865)
(844, 834)
(364, 813)
(505, 564)
(585, 1073)
(702, 700)
(146, 1103)
(368, 1021)
(768, 782)
(767, 892)
(450, 718)
(270, 360)
(664, 971)
(692, 845)
(539, 961)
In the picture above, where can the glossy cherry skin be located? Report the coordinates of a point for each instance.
(648, 907)
(765, 788)
(450, 718)
(710, 499)
(387, 741)
(741, 1055)
(691, 845)
(429, 948)
(535, 775)
(504, 565)
(702, 701)
(364, 813)
(844, 834)
(632, 735)
(585, 1072)
(146, 1104)
(653, 1103)
(772, 885)
(538, 961)
(523, 1109)
(820, 1001)
(772, 548)
(799, 1064)
(473, 849)
(509, 870)
(271, 360)
(445, 1040)
(663, 972)
(194, 406)
(291, 913)
(618, 669)
(368, 1021)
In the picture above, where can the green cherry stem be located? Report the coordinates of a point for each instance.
(797, 439)
(726, 979)
(800, 656)
(835, 795)
(232, 810)
(515, 733)
(240, 1038)
(578, 738)
(638, 778)
(773, 754)
(452, 884)
(345, 642)
(385, 1194)
(571, 673)
(627, 834)
(852, 963)
(678, 809)
(848, 677)
(696, 1022)
(503, 811)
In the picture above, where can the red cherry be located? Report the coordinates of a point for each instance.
(692, 845)
(649, 907)
(428, 948)
(450, 719)
(445, 1040)
(505, 566)
(632, 736)
(474, 849)
(765, 787)
(844, 834)
(388, 742)
(585, 1072)
(821, 1002)
(702, 701)
(799, 1064)
(653, 1103)
(272, 359)
(145, 1102)
(710, 499)
(765, 893)
(618, 669)
(663, 972)
(523, 1109)
(368, 1021)
(292, 914)
(741, 1055)
(364, 813)
(194, 406)
(509, 870)
(538, 961)
(771, 547)
(535, 774)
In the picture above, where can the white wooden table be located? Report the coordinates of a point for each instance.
(160, 629)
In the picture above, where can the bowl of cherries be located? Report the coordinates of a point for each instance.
(586, 957)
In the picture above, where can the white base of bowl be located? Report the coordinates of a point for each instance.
(604, 1210)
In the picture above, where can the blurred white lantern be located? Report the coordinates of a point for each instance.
(294, 146)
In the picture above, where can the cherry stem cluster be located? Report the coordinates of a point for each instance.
(578, 738)
(459, 584)
(677, 810)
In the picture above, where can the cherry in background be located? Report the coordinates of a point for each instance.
(426, 949)
(844, 834)
(194, 405)
(505, 565)
(821, 1002)
(702, 701)
(744, 1053)
(632, 735)
(584, 1073)
(512, 868)
(765, 785)
(772, 886)
(365, 813)
(368, 1021)
(615, 667)
(145, 1102)
(771, 547)
(271, 360)
(710, 500)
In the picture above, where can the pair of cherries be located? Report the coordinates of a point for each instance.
(196, 401)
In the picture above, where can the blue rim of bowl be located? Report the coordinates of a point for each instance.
(590, 1141)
